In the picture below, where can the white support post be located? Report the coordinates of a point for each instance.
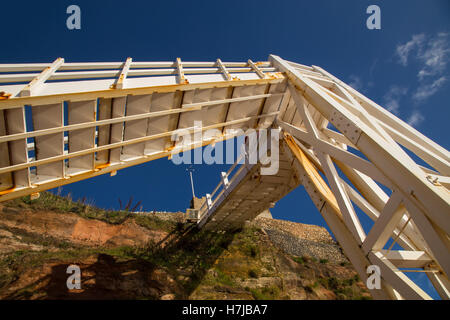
(349, 214)
(225, 72)
(180, 73)
(437, 240)
(225, 181)
(39, 80)
(400, 282)
(441, 283)
(385, 224)
(406, 258)
(350, 217)
(120, 84)
(208, 201)
(256, 69)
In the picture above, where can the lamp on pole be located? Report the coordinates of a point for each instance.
(190, 169)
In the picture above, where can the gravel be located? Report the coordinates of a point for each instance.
(300, 239)
(303, 247)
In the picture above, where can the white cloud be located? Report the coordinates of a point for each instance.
(403, 50)
(392, 98)
(428, 89)
(432, 53)
(355, 82)
(434, 56)
(415, 119)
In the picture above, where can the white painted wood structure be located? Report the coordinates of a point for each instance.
(64, 122)
(244, 193)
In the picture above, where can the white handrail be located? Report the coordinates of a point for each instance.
(203, 210)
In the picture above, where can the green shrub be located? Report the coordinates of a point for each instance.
(300, 260)
(266, 293)
(224, 279)
(155, 223)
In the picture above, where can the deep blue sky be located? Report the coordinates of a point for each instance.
(330, 34)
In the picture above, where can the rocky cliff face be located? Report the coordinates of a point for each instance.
(124, 255)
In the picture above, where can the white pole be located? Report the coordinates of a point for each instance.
(192, 184)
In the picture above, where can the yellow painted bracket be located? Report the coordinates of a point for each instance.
(314, 176)
(4, 95)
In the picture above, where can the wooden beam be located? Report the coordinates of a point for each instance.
(123, 74)
(180, 73)
(39, 80)
(406, 258)
(385, 224)
(100, 91)
(124, 143)
(256, 69)
(407, 288)
(186, 108)
(225, 72)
